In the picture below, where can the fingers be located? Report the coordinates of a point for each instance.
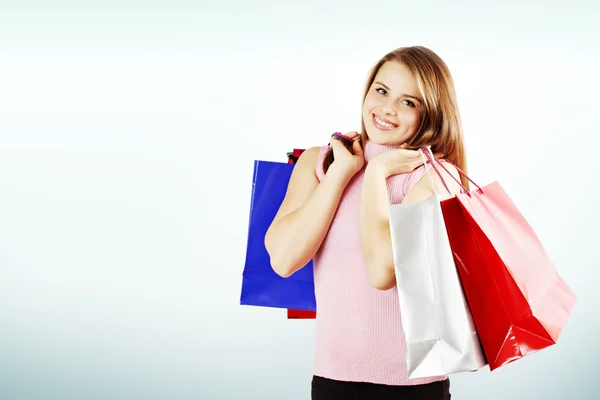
(417, 163)
(347, 139)
(352, 135)
(336, 144)
(349, 136)
(416, 153)
(357, 148)
(410, 154)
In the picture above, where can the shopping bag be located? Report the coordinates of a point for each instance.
(518, 301)
(298, 314)
(301, 314)
(440, 336)
(294, 155)
(261, 286)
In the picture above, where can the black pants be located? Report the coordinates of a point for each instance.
(329, 389)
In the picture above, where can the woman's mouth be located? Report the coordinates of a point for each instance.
(383, 124)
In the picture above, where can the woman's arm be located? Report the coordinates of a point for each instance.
(374, 226)
(305, 215)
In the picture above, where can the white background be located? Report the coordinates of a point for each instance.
(128, 132)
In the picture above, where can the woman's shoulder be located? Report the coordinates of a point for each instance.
(310, 155)
(400, 185)
(443, 174)
(447, 173)
(312, 151)
(449, 167)
(313, 158)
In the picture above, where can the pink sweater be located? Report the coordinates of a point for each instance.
(359, 331)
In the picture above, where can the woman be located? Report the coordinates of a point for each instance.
(335, 212)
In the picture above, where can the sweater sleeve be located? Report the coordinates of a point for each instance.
(412, 178)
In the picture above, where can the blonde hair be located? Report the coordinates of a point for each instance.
(440, 126)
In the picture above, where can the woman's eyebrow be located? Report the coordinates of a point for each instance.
(401, 94)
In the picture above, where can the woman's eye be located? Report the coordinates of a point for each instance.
(409, 103)
(381, 91)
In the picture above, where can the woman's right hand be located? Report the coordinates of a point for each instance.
(347, 162)
(398, 161)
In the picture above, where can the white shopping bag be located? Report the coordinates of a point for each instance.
(441, 338)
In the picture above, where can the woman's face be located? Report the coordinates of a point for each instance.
(392, 108)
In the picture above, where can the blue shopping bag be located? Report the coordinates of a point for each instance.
(261, 286)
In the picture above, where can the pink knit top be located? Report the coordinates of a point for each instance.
(359, 333)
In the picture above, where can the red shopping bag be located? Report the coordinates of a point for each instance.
(293, 156)
(298, 314)
(518, 301)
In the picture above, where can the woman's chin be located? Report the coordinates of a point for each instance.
(384, 138)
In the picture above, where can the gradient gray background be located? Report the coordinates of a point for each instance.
(127, 136)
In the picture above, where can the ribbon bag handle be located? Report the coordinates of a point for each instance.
(434, 161)
(425, 156)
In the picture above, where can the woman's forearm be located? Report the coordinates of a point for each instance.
(293, 240)
(374, 228)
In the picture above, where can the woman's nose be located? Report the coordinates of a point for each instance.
(388, 109)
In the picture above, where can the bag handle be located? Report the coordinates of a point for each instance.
(433, 161)
(425, 153)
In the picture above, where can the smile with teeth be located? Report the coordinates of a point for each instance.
(381, 124)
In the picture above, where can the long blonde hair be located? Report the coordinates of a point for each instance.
(440, 126)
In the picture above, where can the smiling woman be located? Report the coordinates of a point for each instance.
(335, 212)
